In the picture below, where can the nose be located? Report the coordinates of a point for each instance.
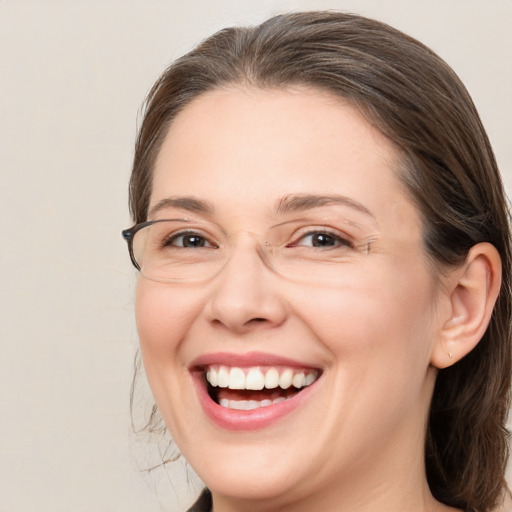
(246, 294)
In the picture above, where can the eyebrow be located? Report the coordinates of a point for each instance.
(287, 204)
(188, 203)
(301, 202)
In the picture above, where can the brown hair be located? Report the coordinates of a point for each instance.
(448, 166)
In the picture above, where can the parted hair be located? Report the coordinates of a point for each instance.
(447, 164)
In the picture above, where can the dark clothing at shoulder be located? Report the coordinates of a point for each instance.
(203, 503)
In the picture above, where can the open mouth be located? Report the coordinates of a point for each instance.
(252, 388)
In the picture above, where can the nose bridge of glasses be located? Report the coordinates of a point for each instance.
(249, 242)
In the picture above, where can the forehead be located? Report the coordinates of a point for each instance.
(272, 119)
(250, 147)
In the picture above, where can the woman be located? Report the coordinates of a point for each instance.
(324, 298)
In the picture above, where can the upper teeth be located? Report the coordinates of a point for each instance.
(257, 378)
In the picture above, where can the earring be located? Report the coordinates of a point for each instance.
(450, 355)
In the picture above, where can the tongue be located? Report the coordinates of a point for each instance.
(246, 394)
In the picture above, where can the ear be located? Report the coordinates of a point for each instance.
(472, 290)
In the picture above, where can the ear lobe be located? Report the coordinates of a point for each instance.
(473, 289)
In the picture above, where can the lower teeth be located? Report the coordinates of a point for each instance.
(248, 405)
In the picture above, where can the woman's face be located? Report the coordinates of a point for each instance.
(354, 305)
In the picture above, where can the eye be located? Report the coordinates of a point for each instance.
(321, 239)
(188, 240)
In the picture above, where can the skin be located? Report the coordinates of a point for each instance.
(357, 442)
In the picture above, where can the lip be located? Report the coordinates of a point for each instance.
(249, 359)
(256, 419)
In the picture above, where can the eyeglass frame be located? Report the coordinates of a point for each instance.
(129, 234)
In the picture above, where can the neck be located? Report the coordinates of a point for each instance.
(406, 491)
(389, 479)
(394, 479)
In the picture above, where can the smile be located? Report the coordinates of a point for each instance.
(242, 392)
(255, 387)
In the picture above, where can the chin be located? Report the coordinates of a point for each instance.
(241, 478)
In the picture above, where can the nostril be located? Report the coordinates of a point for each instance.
(251, 324)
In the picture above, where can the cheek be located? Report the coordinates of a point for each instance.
(163, 318)
(387, 313)
(379, 333)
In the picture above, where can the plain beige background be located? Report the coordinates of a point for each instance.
(72, 77)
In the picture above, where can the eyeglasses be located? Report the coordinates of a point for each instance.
(185, 250)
